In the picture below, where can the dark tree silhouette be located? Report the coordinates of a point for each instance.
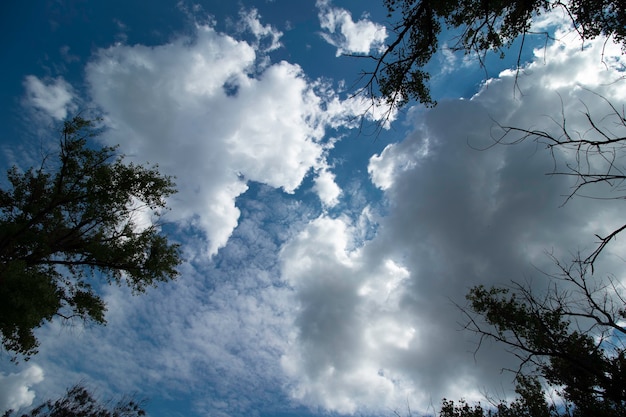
(481, 26)
(68, 222)
(572, 336)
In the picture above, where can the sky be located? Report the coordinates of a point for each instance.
(326, 261)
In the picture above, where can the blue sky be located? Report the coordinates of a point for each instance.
(323, 263)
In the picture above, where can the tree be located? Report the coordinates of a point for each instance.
(573, 336)
(79, 402)
(530, 402)
(68, 224)
(479, 26)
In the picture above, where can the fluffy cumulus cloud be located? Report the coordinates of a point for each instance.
(348, 36)
(349, 312)
(379, 323)
(327, 188)
(54, 97)
(211, 111)
(15, 388)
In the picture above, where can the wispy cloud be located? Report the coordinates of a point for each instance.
(54, 97)
(267, 37)
(348, 36)
(215, 336)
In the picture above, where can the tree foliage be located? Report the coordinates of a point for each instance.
(480, 26)
(573, 336)
(530, 402)
(70, 221)
(79, 402)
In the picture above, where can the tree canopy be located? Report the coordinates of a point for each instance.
(478, 26)
(570, 340)
(573, 336)
(78, 218)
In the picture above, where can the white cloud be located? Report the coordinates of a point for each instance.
(53, 96)
(348, 311)
(15, 388)
(346, 35)
(394, 159)
(326, 187)
(377, 324)
(355, 109)
(251, 21)
(207, 113)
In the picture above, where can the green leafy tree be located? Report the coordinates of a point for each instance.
(79, 402)
(480, 26)
(68, 222)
